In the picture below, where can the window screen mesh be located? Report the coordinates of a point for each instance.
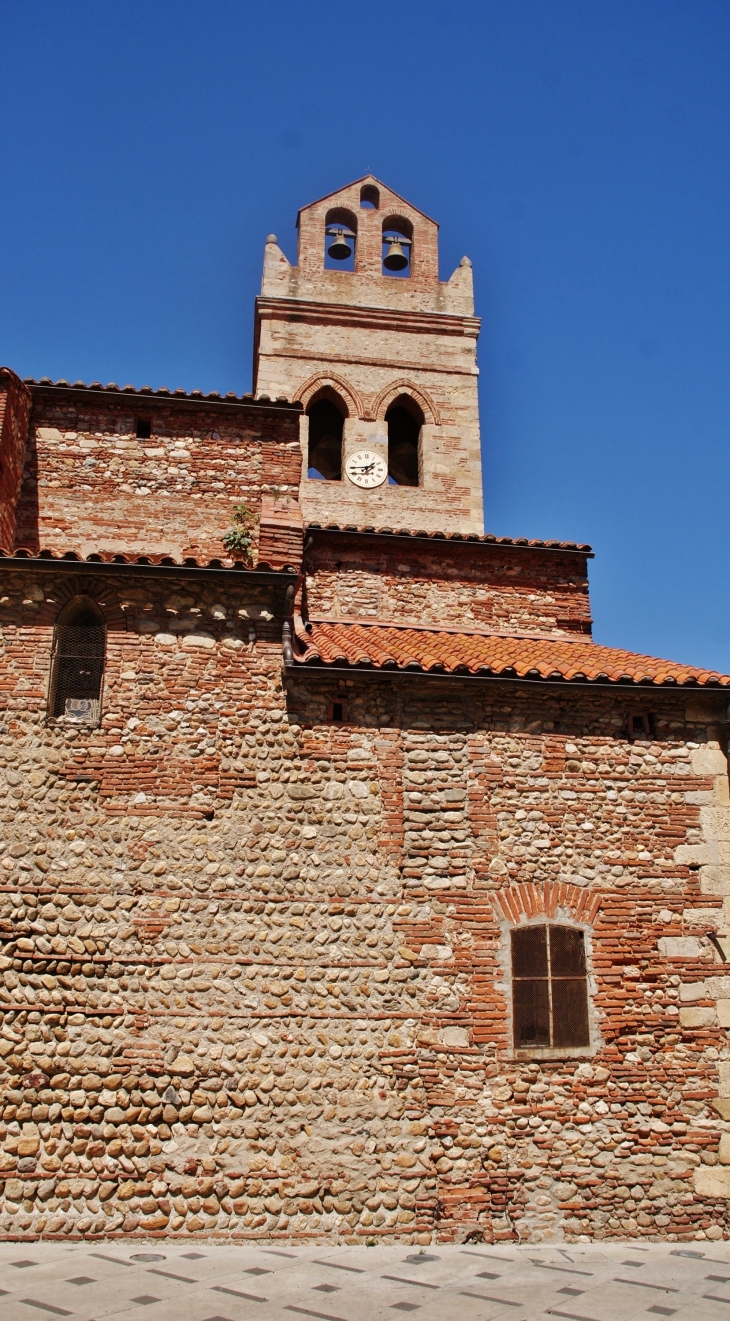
(549, 987)
(79, 667)
(570, 1012)
(567, 952)
(532, 1012)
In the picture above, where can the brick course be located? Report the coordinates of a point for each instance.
(255, 972)
(90, 485)
(323, 908)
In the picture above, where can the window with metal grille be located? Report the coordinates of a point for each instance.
(549, 987)
(79, 646)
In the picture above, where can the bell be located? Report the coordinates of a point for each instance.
(340, 249)
(395, 258)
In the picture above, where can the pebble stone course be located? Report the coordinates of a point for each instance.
(610, 1282)
(255, 923)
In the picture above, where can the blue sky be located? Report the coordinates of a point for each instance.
(577, 152)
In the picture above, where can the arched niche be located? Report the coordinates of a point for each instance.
(370, 197)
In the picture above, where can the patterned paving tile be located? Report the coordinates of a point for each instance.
(596, 1282)
(46, 1307)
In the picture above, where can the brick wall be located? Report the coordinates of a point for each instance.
(254, 975)
(448, 584)
(90, 485)
(366, 284)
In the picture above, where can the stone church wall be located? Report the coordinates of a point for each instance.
(253, 970)
(91, 485)
(446, 584)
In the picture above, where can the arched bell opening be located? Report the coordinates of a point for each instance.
(369, 197)
(404, 420)
(397, 246)
(340, 239)
(77, 665)
(326, 416)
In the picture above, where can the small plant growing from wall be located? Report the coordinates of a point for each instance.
(239, 537)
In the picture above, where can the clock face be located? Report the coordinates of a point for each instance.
(365, 468)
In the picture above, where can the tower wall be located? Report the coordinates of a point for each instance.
(91, 486)
(368, 338)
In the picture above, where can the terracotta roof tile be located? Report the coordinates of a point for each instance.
(489, 538)
(156, 560)
(163, 393)
(390, 647)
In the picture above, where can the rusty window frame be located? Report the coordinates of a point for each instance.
(549, 987)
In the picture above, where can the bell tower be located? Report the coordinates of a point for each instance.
(382, 356)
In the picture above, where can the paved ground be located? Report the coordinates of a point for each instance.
(154, 1282)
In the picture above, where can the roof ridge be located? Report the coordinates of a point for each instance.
(162, 392)
(467, 538)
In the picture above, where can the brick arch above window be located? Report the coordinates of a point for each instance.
(382, 402)
(529, 900)
(321, 383)
(105, 598)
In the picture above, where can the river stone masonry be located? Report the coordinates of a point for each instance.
(261, 868)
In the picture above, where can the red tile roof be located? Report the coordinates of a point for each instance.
(156, 560)
(488, 539)
(385, 646)
(146, 391)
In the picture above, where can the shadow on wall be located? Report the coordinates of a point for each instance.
(27, 533)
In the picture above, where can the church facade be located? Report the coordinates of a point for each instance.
(349, 888)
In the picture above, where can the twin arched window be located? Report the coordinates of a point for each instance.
(403, 419)
(77, 664)
(549, 987)
(341, 237)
